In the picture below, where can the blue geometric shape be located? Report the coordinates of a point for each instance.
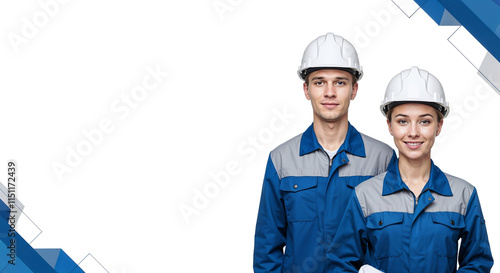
(448, 19)
(4, 212)
(23, 251)
(437, 12)
(59, 260)
(27, 259)
(480, 17)
(49, 255)
(20, 267)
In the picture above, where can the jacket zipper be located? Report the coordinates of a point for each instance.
(330, 160)
(415, 201)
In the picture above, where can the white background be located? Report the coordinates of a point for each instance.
(230, 72)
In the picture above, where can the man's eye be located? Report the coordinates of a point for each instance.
(341, 83)
(318, 83)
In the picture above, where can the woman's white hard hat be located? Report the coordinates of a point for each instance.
(415, 85)
(330, 51)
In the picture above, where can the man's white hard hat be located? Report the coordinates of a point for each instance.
(415, 85)
(330, 51)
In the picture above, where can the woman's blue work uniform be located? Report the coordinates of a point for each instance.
(388, 227)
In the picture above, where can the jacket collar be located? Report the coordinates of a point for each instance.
(353, 142)
(437, 181)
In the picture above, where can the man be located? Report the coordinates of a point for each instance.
(310, 178)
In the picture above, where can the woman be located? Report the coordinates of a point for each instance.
(411, 218)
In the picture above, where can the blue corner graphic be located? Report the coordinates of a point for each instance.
(480, 17)
(24, 258)
(438, 12)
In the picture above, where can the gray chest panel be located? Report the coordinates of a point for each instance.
(287, 161)
(370, 197)
(462, 192)
(378, 156)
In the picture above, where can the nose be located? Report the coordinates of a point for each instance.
(330, 91)
(413, 130)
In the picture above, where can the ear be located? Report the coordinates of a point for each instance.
(354, 91)
(390, 127)
(306, 91)
(440, 125)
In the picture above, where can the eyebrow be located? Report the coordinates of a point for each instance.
(421, 116)
(336, 78)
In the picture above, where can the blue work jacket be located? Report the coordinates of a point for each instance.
(387, 226)
(304, 196)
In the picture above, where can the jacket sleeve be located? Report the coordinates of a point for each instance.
(475, 254)
(270, 232)
(348, 248)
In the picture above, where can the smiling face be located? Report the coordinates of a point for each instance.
(414, 127)
(330, 92)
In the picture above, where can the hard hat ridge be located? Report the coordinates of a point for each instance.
(330, 51)
(415, 85)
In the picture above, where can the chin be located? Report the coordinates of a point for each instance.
(415, 155)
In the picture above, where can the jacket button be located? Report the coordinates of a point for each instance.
(430, 198)
(343, 160)
(295, 186)
(380, 223)
(452, 222)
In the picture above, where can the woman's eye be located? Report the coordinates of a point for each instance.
(402, 121)
(425, 122)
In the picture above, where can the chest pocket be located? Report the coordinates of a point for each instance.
(300, 197)
(385, 231)
(446, 231)
(353, 181)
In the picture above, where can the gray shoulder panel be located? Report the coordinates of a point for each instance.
(462, 192)
(288, 162)
(369, 194)
(378, 156)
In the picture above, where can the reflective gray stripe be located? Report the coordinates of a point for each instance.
(288, 162)
(370, 198)
(462, 192)
(378, 156)
(369, 194)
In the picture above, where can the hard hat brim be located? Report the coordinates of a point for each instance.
(443, 109)
(303, 74)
